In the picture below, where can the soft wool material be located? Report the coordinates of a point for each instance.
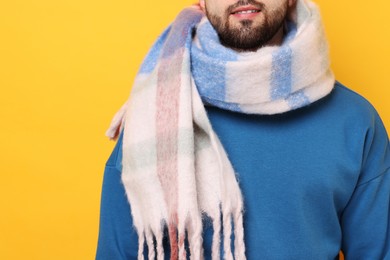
(315, 181)
(174, 167)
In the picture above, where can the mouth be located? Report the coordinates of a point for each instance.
(245, 12)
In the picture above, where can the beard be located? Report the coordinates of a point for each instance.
(247, 36)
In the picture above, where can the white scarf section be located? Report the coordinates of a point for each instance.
(174, 167)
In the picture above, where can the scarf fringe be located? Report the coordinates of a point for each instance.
(154, 241)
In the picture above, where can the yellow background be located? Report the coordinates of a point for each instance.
(65, 69)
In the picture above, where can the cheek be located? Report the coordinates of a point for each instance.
(277, 7)
(217, 7)
(276, 4)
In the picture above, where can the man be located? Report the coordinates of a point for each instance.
(238, 143)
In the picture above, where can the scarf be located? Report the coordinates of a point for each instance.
(175, 170)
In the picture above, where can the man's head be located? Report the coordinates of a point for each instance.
(247, 25)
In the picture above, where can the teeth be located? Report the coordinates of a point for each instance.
(247, 12)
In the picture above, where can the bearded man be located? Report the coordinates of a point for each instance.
(238, 143)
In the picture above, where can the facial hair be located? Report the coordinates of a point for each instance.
(247, 36)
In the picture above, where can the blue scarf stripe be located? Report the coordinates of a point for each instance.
(215, 87)
(298, 99)
(214, 56)
(281, 83)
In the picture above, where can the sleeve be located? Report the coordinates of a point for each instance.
(117, 238)
(365, 221)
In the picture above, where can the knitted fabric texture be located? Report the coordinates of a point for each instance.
(175, 169)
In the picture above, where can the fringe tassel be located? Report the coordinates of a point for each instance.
(216, 246)
(150, 243)
(159, 247)
(182, 249)
(239, 245)
(173, 242)
(227, 232)
(141, 243)
(195, 239)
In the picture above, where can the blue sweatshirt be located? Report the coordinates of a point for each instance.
(315, 181)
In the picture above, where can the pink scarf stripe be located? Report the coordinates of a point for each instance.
(167, 125)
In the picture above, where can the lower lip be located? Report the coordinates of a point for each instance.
(245, 15)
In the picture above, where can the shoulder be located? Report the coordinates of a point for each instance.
(353, 99)
(349, 103)
(365, 117)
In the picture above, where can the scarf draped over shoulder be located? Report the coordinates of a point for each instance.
(175, 169)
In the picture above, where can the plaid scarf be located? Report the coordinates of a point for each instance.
(174, 167)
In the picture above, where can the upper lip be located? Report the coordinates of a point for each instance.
(245, 8)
